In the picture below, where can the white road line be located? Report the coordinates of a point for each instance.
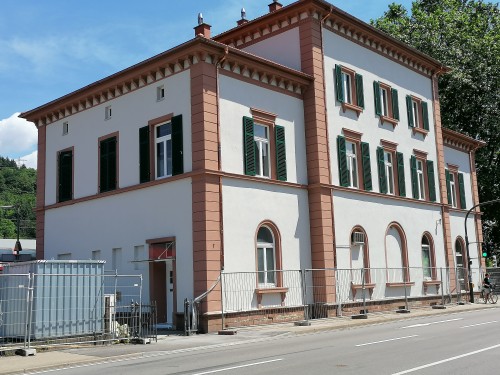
(480, 324)
(235, 367)
(446, 360)
(379, 342)
(428, 324)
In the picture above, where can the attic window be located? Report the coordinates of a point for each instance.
(107, 113)
(160, 93)
(65, 129)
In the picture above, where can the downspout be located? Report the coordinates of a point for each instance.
(221, 221)
(327, 133)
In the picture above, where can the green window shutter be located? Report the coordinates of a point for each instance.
(107, 178)
(360, 97)
(401, 174)
(382, 180)
(376, 95)
(425, 115)
(65, 176)
(344, 177)
(367, 172)
(414, 177)
(461, 187)
(430, 180)
(280, 153)
(448, 185)
(177, 146)
(395, 104)
(144, 156)
(409, 109)
(248, 147)
(338, 83)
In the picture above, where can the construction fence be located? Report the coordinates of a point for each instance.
(257, 298)
(47, 309)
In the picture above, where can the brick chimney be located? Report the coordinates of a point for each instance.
(274, 6)
(203, 28)
(243, 17)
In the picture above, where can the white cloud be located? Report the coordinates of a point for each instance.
(29, 160)
(17, 136)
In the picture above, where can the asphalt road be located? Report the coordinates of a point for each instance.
(465, 343)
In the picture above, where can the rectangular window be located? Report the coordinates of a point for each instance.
(138, 256)
(352, 164)
(453, 190)
(160, 93)
(65, 175)
(389, 171)
(108, 163)
(420, 180)
(349, 88)
(107, 112)
(65, 128)
(116, 259)
(163, 147)
(266, 266)
(261, 138)
(418, 114)
(264, 146)
(386, 102)
(354, 161)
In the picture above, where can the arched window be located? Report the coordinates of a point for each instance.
(428, 258)
(266, 257)
(359, 253)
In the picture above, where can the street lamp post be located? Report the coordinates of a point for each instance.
(469, 261)
(17, 247)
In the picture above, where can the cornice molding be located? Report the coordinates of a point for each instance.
(167, 64)
(460, 141)
(337, 21)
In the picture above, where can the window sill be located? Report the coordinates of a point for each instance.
(420, 131)
(352, 107)
(428, 283)
(390, 120)
(274, 290)
(356, 287)
(399, 284)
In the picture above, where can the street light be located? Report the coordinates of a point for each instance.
(469, 261)
(17, 247)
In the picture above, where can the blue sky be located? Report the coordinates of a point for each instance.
(50, 48)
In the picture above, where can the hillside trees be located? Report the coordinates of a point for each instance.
(17, 187)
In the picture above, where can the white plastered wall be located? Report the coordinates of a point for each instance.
(247, 204)
(236, 99)
(129, 113)
(375, 67)
(283, 48)
(124, 221)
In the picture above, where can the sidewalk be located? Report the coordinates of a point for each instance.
(171, 343)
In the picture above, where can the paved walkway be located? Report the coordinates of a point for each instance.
(74, 356)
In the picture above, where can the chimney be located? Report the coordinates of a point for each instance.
(274, 6)
(202, 29)
(243, 17)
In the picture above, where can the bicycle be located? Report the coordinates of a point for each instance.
(493, 298)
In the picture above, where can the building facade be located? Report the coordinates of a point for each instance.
(304, 139)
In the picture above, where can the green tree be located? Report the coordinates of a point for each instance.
(17, 188)
(465, 36)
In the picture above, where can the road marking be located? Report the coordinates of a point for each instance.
(235, 367)
(379, 342)
(480, 324)
(446, 360)
(428, 324)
